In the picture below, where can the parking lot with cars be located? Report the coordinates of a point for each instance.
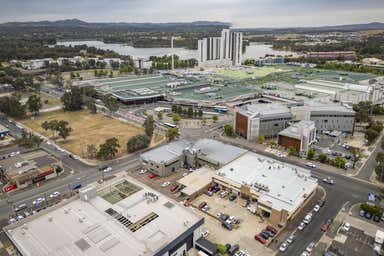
(231, 222)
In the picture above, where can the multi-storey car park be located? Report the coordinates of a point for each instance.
(123, 217)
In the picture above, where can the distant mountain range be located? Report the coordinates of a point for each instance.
(73, 23)
(80, 23)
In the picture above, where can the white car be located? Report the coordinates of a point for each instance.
(305, 253)
(38, 201)
(301, 226)
(185, 174)
(14, 153)
(316, 208)
(20, 217)
(283, 247)
(55, 194)
(206, 208)
(142, 171)
(328, 180)
(309, 164)
(310, 247)
(346, 226)
(108, 169)
(12, 220)
(166, 184)
(205, 233)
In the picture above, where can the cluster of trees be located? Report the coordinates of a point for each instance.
(165, 62)
(108, 149)
(187, 112)
(76, 98)
(373, 131)
(379, 169)
(28, 140)
(57, 127)
(228, 130)
(19, 81)
(12, 107)
(103, 73)
(142, 141)
(360, 68)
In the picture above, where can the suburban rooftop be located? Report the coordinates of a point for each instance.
(287, 185)
(141, 222)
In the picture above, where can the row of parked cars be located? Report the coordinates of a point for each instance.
(376, 217)
(228, 222)
(21, 211)
(265, 234)
(308, 218)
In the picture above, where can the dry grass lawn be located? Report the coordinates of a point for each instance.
(87, 129)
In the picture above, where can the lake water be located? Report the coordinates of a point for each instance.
(253, 51)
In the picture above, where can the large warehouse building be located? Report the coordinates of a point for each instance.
(278, 190)
(123, 217)
(327, 116)
(261, 119)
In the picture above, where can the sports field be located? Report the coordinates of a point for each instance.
(87, 129)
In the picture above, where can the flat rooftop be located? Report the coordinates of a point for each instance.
(295, 129)
(196, 180)
(166, 153)
(217, 151)
(142, 222)
(316, 106)
(264, 110)
(279, 184)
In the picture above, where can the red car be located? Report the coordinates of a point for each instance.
(271, 229)
(174, 187)
(326, 225)
(186, 203)
(259, 238)
(210, 188)
(202, 204)
(152, 176)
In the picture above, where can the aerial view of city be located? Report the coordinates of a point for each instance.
(191, 128)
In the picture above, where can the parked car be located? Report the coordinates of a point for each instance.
(362, 213)
(321, 203)
(316, 208)
(283, 247)
(309, 164)
(166, 184)
(205, 233)
(291, 239)
(142, 171)
(174, 187)
(38, 201)
(224, 216)
(272, 229)
(223, 194)
(368, 215)
(301, 226)
(55, 194)
(308, 218)
(216, 189)
(202, 204)
(232, 198)
(152, 176)
(21, 207)
(227, 225)
(186, 203)
(377, 217)
(259, 238)
(304, 253)
(233, 249)
(205, 208)
(310, 247)
(265, 234)
(326, 225)
(228, 247)
(346, 226)
(107, 169)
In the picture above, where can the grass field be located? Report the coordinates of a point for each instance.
(249, 72)
(87, 129)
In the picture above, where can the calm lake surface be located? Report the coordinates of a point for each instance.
(253, 51)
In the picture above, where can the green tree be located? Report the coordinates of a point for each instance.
(215, 118)
(371, 135)
(228, 130)
(179, 110)
(63, 129)
(12, 106)
(160, 115)
(174, 108)
(292, 150)
(34, 104)
(356, 155)
(203, 121)
(260, 139)
(172, 134)
(311, 154)
(28, 140)
(111, 103)
(190, 112)
(222, 249)
(73, 100)
(176, 118)
(149, 126)
(200, 113)
(380, 157)
(50, 125)
(138, 142)
(339, 162)
(91, 151)
(379, 170)
(108, 149)
(322, 158)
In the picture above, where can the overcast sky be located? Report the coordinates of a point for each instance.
(242, 13)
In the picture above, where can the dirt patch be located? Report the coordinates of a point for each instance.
(87, 129)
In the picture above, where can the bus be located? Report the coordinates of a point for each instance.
(220, 109)
(168, 125)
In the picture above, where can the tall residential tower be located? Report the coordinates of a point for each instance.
(225, 50)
